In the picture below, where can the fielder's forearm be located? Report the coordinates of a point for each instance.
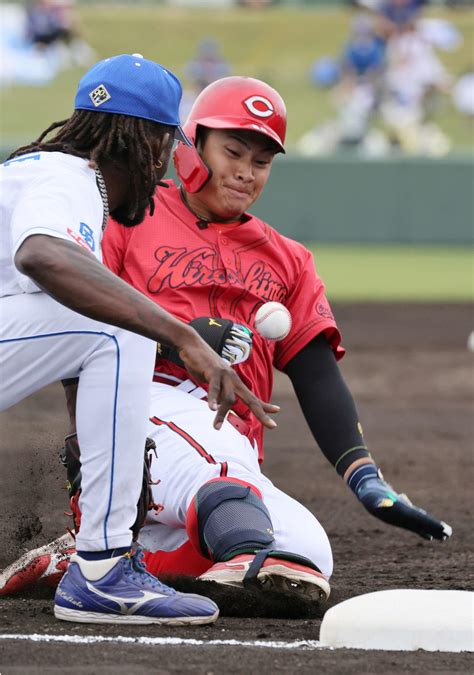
(328, 406)
(76, 279)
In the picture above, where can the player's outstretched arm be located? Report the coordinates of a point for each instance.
(76, 279)
(382, 501)
(332, 416)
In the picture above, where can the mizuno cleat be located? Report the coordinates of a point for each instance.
(120, 590)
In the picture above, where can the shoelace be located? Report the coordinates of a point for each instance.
(138, 573)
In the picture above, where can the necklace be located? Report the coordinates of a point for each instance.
(103, 194)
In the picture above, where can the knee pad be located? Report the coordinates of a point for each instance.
(228, 517)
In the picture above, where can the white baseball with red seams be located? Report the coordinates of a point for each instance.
(273, 321)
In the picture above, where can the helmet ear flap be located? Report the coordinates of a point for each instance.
(192, 171)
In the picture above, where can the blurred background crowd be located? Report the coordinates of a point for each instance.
(380, 77)
(388, 81)
(379, 168)
(40, 38)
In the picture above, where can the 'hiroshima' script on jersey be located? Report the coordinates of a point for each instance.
(179, 267)
(225, 271)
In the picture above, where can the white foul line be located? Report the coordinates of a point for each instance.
(305, 645)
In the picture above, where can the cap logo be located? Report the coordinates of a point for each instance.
(259, 106)
(99, 95)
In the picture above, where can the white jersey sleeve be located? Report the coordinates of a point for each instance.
(58, 198)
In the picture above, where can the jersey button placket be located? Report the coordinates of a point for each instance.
(226, 254)
(227, 259)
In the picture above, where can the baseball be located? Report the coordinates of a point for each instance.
(273, 321)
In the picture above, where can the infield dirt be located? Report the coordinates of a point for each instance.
(412, 377)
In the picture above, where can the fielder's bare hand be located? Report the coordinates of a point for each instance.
(382, 501)
(204, 364)
(60, 270)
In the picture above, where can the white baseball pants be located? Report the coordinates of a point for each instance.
(41, 341)
(191, 452)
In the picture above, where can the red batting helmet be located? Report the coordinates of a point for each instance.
(229, 103)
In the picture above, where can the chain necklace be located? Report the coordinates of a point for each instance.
(103, 194)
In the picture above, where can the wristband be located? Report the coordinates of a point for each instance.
(360, 475)
(349, 457)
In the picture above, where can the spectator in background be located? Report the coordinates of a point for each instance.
(395, 15)
(414, 77)
(363, 56)
(463, 94)
(207, 66)
(355, 79)
(43, 26)
(362, 65)
(53, 25)
(379, 5)
(48, 22)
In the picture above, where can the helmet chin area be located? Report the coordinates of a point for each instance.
(191, 170)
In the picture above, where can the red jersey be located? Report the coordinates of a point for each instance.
(225, 271)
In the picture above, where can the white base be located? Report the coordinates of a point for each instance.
(402, 620)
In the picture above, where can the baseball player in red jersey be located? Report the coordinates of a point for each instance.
(203, 257)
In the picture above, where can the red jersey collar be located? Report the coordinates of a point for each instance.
(175, 202)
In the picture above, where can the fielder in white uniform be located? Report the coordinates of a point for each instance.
(42, 341)
(58, 301)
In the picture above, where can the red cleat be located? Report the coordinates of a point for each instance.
(275, 574)
(46, 564)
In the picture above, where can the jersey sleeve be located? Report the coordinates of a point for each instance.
(311, 315)
(62, 205)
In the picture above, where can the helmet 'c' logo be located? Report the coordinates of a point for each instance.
(259, 106)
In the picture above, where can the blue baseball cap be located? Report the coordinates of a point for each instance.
(129, 84)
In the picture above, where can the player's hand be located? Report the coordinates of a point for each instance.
(383, 502)
(225, 386)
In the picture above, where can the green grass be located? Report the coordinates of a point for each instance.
(396, 273)
(276, 44)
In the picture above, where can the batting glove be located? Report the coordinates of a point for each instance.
(381, 500)
(237, 345)
(232, 341)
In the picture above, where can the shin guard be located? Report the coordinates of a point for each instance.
(228, 517)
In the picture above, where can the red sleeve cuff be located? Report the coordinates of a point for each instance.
(313, 329)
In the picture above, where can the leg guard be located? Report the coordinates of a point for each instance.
(228, 517)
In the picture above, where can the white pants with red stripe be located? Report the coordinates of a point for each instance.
(41, 341)
(191, 452)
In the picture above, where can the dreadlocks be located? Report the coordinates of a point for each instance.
(98, 136)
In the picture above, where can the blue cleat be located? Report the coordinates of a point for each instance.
(120, 590)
